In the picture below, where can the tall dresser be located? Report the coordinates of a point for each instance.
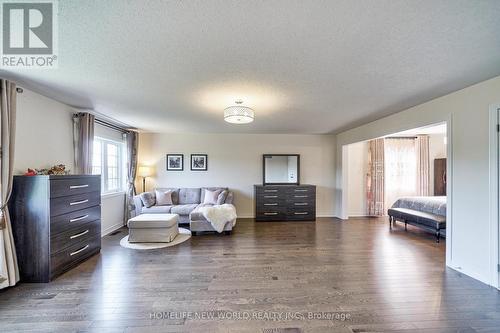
(56, 221)
(285, 202)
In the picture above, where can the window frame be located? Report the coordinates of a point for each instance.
(121, 165)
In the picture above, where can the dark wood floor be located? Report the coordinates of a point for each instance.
(380, 281)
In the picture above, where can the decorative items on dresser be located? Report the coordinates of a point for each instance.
(56, 222)
(285, 202)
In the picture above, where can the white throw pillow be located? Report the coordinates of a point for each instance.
(163, 198)
(211, 197)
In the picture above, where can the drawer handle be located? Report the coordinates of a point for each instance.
(80, 234)
(301, 213)
(79, 218)
(270, 196)
(301, 190)
(72, 187)
(301, 204)
(78, 251)
(270, 204)
(78, 202)
(301, 196)
(270, 191)
(270, 213)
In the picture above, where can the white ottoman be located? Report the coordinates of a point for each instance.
(153, 228)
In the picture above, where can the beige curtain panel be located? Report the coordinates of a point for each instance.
(423, 165)
(83, 142)
(9, 271)
(132, 139)
(375, 178)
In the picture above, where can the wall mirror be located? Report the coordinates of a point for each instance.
(281, 169)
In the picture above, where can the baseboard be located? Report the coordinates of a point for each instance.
(253, 216)
(112, 228)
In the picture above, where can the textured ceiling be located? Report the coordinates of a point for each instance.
(304, 66)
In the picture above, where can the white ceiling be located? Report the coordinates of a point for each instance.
(304, 66)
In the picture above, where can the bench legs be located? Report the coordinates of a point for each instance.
(438, 234)
(391, 221)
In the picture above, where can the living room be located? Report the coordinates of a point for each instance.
(167, 122)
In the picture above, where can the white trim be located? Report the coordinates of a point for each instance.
(345, 183)
(449, 190)
(494, 119)
(112, 228)
(112, 194)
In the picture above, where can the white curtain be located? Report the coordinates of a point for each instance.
(400, 169)
(423, 165)
(375, 178)
(9, 271)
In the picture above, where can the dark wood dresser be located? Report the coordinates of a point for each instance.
(285, 202)
(56, 221)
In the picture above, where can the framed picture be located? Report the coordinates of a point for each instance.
(175, 162)
(199, 162)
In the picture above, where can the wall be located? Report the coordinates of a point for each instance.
(235, 161)
(358, 168)
(44, 137)
(470, 248)
(437, 149)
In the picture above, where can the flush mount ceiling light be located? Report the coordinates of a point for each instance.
(238, 114)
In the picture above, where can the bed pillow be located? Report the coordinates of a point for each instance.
(211, 197)
(148, 199)
(164, 198)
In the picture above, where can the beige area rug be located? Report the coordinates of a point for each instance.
(184, 235)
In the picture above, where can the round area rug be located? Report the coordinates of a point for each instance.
(184, 235)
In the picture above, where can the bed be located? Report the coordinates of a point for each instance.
(428, 213)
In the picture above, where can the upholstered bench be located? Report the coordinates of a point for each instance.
(153, 228)
(428, 221)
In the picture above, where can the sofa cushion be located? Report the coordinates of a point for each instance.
(211, 197)
(221, 199)
(214, 188)
(189, 196)
(156, 210)
(164, 198)
(183, 209)
(148, 199)
(175, 193)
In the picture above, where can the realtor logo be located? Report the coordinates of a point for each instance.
(28, 34)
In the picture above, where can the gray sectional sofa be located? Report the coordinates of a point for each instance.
(186, 202)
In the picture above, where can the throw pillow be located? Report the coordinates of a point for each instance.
(164, 198)
(221, 199)
(211, 197)
(148, 199)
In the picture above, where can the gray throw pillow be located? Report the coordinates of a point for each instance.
(211, 197)
(221, 199)
(164, 198)
(148, 199)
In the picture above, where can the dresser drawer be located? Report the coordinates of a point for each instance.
(64, 205)
(305, 215)
(76, 235)
(270, 216)
(71, 256)
(72, 186)
(74, 219)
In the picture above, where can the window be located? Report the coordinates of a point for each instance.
(109, 162)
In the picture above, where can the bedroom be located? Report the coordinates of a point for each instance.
(403, 172)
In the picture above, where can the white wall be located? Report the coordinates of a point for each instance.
(437, 149)
(358, 168)
(470, 246)
(44, 137)
(235, 161)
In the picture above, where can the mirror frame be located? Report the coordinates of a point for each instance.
(264, 169)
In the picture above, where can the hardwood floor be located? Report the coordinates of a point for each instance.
(380, 281)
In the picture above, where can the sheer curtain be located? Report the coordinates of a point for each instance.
(423, 165)
(83, 142)
(400, 169)
(375, 178)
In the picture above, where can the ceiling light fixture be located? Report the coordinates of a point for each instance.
(238, 114)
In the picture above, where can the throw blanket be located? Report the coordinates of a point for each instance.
(218, 216)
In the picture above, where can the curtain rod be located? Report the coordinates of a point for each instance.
(110, 125)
